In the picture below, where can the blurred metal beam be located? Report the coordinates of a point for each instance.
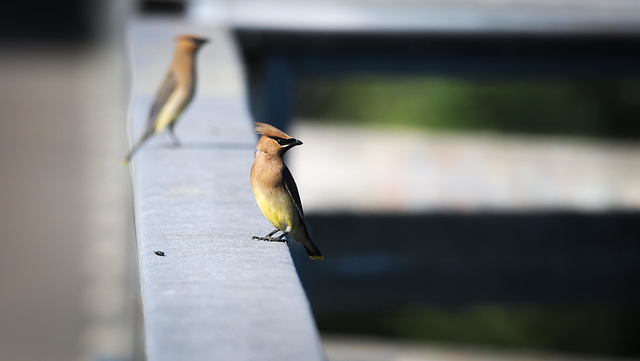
(437, 16)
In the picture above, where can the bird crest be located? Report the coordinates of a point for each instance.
(270, 131)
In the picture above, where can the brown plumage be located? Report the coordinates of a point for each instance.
(275, 189)
(175, 93)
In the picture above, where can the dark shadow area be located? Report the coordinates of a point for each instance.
(155, 7)
(58, 23)
(554, 280)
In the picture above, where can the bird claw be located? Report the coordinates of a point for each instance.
(175, 141)
(269, 239)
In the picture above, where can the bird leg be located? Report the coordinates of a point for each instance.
(174, 138)
(268, 237)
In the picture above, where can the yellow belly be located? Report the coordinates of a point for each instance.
(170, 111)
(162, 121)
(279, 210)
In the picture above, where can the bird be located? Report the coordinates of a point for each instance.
(175, 93)
(275, 189)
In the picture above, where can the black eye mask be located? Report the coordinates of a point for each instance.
(284, 142)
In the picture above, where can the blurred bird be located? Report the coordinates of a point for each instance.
(175, 93)
(276, 191)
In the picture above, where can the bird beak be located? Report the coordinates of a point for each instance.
(297, 142)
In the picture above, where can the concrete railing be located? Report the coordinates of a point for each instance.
(216, 294)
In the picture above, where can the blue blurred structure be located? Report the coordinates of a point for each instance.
(283, 44)
(551, 259)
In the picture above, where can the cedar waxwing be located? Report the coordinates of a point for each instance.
(276, 191)
(175, 93)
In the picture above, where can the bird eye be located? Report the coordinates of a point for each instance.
(280, 141)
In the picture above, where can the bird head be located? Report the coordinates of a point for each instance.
(274, 140)
(191, 41)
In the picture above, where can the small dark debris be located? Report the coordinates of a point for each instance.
(159, 253)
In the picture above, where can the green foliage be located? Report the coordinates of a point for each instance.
(595, 107)
(605, 331)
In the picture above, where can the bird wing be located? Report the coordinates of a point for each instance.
(290, 184)
(167, 87)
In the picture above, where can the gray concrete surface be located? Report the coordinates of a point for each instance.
(216, 294)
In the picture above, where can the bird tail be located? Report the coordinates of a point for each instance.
(127, 158)
(129, 155)
(312, 251)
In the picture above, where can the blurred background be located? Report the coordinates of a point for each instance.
(68, 286)
(470, 170)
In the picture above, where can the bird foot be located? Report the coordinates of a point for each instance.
(175, 141)
(270, 239)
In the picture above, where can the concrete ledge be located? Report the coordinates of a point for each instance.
(216, 294)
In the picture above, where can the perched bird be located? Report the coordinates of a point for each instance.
(175, 93)
(276, 191)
